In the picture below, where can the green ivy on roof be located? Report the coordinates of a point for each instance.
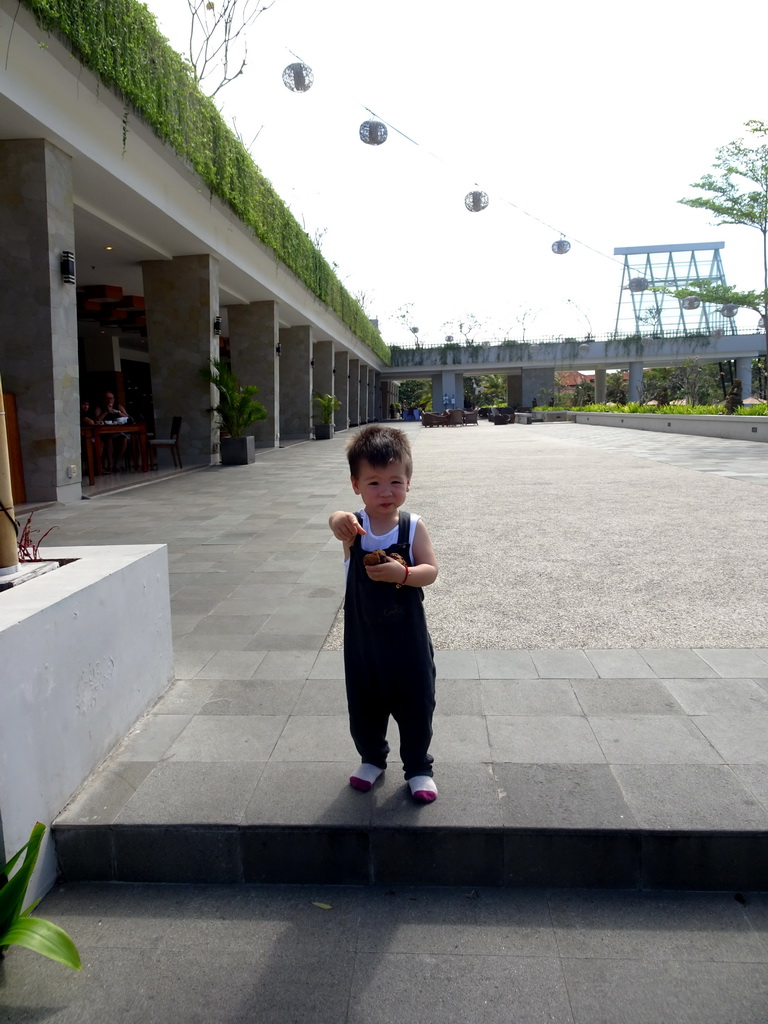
(119, 41)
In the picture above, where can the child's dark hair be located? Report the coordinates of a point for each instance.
(378, 446)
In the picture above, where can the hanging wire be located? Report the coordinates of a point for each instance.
(501, 198)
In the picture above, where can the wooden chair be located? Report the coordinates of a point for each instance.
(171, 442)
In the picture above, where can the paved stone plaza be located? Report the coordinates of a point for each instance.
(600, 625)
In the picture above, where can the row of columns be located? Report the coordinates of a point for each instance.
(39, 357)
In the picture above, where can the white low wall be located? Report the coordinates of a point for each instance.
(735, 428)
(84, 651)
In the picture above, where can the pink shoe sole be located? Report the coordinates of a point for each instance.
(361, 784)
(424, 796)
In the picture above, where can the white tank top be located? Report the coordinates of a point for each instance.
(372, 542)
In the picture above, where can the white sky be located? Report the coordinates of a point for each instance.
(592, 117)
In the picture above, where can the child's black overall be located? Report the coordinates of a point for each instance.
(389, 663)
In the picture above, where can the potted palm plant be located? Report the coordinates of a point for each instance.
(237, 409)
(326, 405)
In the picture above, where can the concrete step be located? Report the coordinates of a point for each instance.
(348, 855)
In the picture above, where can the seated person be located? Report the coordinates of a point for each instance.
(87, 414)
(114, 445)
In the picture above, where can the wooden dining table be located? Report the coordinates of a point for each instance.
(94, 444)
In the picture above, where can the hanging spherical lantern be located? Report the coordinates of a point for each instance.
(729, 309)
(638, 284)
(298, 77)
(691, 302)
(475, 201)
(717, 334)
(561, 246)
(373, 133)
(583, 350)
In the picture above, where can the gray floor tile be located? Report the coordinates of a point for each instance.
(316, 738)
(184, 697)
(235, 987)
(288, 664)
(558, 796)
(192, 793)
(459, 739)
(253, 697)
(214, 644)
(468, 798)
(456, 665)
(712, 696)
(458, 697)
(618, 664)
(265, 919)
(505, 665)
(651, 739)
(267, 640)
(676, 663)
(187, 663)
(228, 738)
(328, 665)
(647, 926)
(220, 626)
(563, 665)
(740, 739)
(108, 790)
(689, 797)
(322, 697)
(636, 992)
(231, 665)
(503, 923)
(151, 737)
(735, 664)
(755, 778)
(454, 989)
(300, 793)
(528, 697)
(543, 739)
(625, 697)
(104, 990)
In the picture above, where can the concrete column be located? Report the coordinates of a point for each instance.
(322, 372)
(354, 392)
(385, 390)
(182, 298)
(744, 374)
(514, 390)
(437, 392)
(600, 384)
(373, 396)
(537, 384)
(38, 344)
(341, 389)
(254, 334)
(363, 399)
(635, 383)
(451, 387)
(296, 345)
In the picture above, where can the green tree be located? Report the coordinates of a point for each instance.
(416, 393)
(736, 193)
(493, 389)
(616, 388)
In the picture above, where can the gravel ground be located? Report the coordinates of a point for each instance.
(547, 538)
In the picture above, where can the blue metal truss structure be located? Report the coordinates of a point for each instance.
(643, 310)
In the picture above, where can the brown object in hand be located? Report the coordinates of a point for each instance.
(378, 556)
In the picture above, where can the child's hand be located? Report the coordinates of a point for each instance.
(389, 571)
(345, 526)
